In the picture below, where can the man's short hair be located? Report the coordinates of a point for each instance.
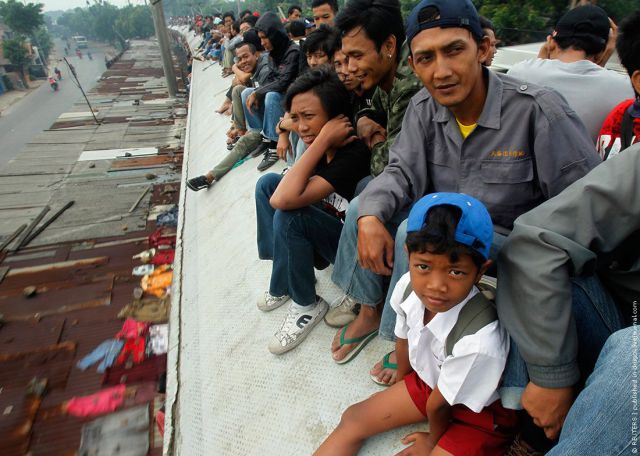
(228, 14)
(251, 46)
(236, 26)
(251, 37)
(323, 38)
(485, 23)
(333, 4)
(292, 8)
(378, 18)
(325, 84)
(628, 43)
(296, 28)
(251, 20)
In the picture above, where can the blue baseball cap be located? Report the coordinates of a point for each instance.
(443, 13)
(474, 229)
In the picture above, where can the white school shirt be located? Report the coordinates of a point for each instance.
(471, 375)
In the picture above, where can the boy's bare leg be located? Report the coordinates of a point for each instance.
(381, 412)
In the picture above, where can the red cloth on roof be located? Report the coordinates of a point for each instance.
(132, 329)
(104, 401)
(133, 348)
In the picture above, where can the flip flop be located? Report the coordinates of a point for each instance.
(361, 342)
(198, 183)
(386, 364)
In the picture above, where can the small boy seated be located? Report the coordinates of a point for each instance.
(300, 215)
(451, 348)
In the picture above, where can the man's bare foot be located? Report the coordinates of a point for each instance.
(367, 320)
(385, 375)
(225, 106)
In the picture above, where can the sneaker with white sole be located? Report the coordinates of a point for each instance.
(297, 325)
(343, 311)
(268, 302)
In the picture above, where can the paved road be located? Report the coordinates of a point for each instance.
(38, 110)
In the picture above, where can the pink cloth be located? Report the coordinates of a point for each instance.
(105, 401)
(132, 329)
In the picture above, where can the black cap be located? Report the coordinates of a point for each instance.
(588, 22)
(443, 13)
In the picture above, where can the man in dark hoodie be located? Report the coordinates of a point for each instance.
(264, 104)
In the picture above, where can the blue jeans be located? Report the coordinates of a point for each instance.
(106, 352)
(596, 316)
(265, 117)
(362, 285)
(600, 421)
(293, 240)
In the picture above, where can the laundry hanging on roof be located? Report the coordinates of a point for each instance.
(158, 282)
(132, 328)
(168, 218)
(158, 342)
(107, 351)
(104, 401)
(151, 309)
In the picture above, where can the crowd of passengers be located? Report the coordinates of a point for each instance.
(422, 175)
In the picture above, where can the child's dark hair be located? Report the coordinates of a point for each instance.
(628, 43)
(437, 236)
(324, 83)
(323, 38)
(378, 18)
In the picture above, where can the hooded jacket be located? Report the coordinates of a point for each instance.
(284, 55)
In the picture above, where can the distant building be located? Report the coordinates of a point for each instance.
(5, 33)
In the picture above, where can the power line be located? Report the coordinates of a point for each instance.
(72, 70)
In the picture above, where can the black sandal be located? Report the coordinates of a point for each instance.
(198, 183)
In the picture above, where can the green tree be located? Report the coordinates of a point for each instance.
(135, 22)
(15, 50)
(42, 39)
(22, 19)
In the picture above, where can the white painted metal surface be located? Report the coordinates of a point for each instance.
(227, 395)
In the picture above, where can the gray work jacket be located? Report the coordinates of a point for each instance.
(527, 147)
(591, 227)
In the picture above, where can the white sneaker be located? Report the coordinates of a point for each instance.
(268, 302)
(296, 326)
(342, 312)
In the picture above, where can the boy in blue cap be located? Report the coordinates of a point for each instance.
(451, 348)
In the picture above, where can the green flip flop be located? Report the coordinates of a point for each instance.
(386, 364)
(361, 342)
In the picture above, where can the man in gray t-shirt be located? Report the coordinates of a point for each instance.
(571, 62)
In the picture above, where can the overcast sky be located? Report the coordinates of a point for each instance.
(52, 5)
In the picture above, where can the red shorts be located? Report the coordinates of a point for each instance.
(489, 432)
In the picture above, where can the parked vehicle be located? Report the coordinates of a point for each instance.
(80, 41)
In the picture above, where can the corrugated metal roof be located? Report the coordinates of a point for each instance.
(61, 294)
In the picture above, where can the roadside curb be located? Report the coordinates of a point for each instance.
(35, 85)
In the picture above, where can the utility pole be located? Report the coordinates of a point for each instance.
(163, 41)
